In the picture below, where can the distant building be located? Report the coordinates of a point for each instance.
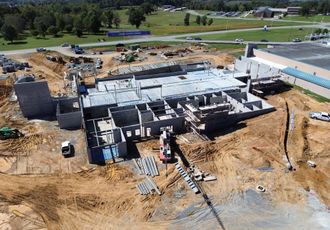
(304, 65)
(264, 12)
(293, 10)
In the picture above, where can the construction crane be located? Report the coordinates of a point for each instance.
(9, 133)
(165, 153)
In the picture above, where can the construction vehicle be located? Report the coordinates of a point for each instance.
(165, 153)
(67, 149)
(9, 133)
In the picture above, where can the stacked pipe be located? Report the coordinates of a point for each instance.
(148, 186)
(147, 166)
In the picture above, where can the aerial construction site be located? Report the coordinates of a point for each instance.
(166, 137)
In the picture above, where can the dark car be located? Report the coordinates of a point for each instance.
(264, 40)
(197, 39)
(41, 50)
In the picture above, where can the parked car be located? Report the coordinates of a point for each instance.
(320, 116)
(65, 44)
(296, 40)
(239, 40)
(41, 50)
(189, 38)
(264, 40)
(197, 39)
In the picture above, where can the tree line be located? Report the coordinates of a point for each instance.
(51, 19)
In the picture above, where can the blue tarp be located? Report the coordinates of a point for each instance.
(317, 80)
(128, 33)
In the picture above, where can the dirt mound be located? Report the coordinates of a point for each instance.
(39, 59)
(115, 173)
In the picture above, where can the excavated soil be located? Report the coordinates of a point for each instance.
(106, 196)
(40, 189)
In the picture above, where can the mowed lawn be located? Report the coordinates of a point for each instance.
(314, 18)
(273, 35)
(159, 23)
(167, 23)
(48, 41)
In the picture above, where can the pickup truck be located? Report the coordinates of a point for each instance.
(320, 116)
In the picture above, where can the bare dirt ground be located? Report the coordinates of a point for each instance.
(40, 189)
(107, 196)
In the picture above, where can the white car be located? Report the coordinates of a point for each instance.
(320, 116)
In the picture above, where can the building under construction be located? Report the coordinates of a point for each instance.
(138, 105)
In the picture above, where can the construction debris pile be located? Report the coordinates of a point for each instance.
(147, 166)
(177, 52)
(199, 175)
(148, 186)
(57, 59)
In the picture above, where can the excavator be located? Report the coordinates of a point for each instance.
(9, 133)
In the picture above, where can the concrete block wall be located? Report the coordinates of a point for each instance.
(34, 99)
(71, 120)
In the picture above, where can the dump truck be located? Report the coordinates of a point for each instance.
(9, 133)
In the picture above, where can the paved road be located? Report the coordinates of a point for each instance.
(169, 38)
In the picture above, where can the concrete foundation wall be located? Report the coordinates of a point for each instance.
(177, 123)
(96, 112)
(71, 120)
(34, 99)
(125, 117)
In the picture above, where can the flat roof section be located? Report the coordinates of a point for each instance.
(130, 91)
(310, 53)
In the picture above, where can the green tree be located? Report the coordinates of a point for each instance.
(29, 13)
(108, 17)
(304, 11)
(325, 31)
(136, 17)
(210, 21)
(92, 22)
(78, 32)
(40, 26)
(69, 28)
(147, 8)
(9, 33)
(16, 21)
(34, 33)
(53, 30)
(318, 31)
(241, 7)
(116, 20)
(60, 23)
(186, 19)
(198, 20)
(204, 20)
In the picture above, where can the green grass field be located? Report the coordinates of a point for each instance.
(166, 23)
(315, 18)
(274, 35)
(31, 42)
(159, 23)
